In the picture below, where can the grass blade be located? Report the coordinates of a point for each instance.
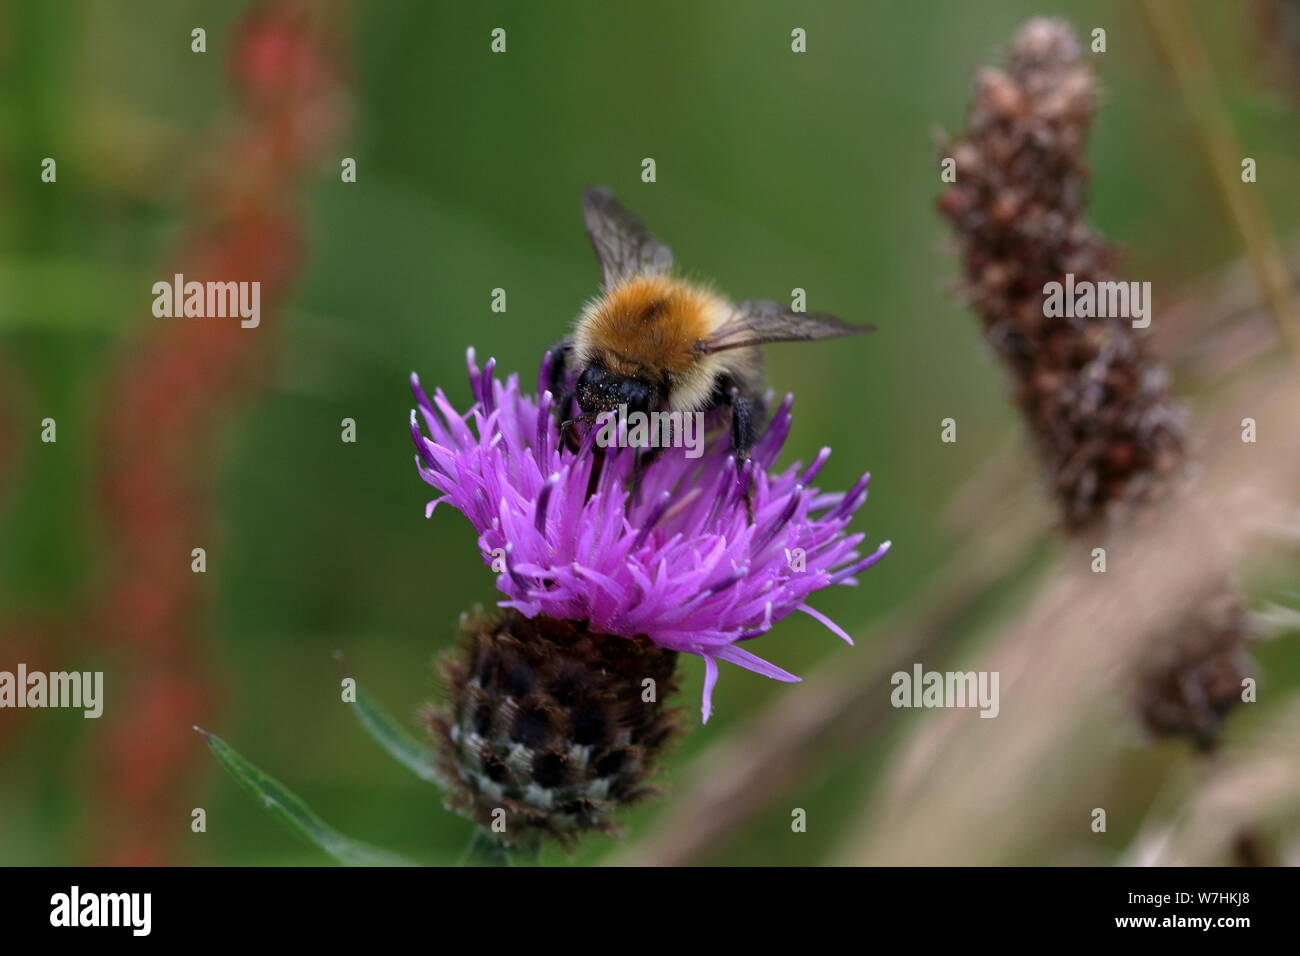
(400, 743)
(289, 808)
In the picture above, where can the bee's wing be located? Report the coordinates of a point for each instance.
(624, 247)
(757, 322)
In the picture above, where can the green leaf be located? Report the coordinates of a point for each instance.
(401, 745)
(284, 804)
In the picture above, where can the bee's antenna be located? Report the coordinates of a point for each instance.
(587, 417)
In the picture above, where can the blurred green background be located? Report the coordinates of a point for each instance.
(775, 170)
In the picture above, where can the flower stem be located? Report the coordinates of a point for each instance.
(1186, 54)
(484, 850)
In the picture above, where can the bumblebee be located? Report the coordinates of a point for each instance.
(654, 342)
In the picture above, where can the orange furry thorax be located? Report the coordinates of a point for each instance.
(650, 323)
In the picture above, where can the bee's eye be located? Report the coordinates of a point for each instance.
(594, 389)
(634, 394)
(593, 376)
(599, 391)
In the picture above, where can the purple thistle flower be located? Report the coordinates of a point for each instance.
(683, 566)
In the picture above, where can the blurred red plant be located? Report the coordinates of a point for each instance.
(163, 401)
(26, 639)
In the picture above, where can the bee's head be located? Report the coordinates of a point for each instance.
(600, 390)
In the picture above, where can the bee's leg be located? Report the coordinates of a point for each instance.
(746, 412)
(561, 355)
(744, 422)
(558, 376)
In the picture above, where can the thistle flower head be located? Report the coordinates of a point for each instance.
(682, 565)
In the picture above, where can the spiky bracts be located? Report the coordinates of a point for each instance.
(1109, 436)
(548, 728)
